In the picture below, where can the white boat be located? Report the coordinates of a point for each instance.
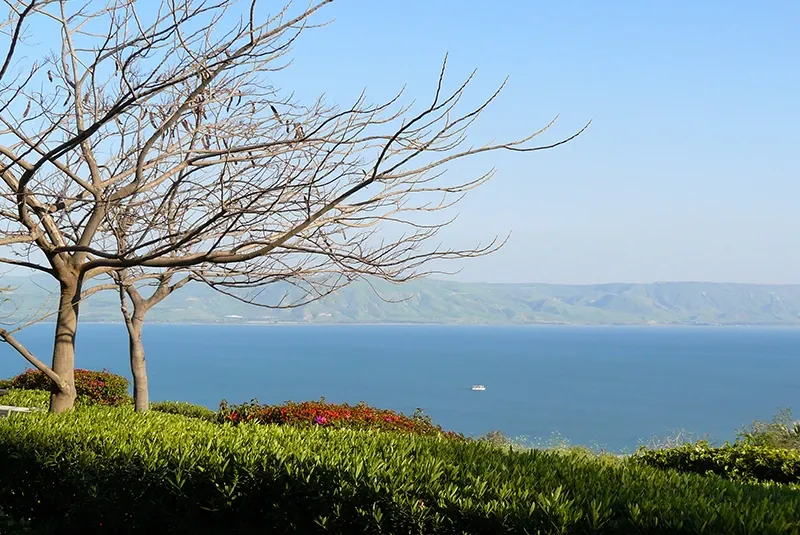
(478, 387)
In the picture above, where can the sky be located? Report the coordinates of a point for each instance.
(689, 170)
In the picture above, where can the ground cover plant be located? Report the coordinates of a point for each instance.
(783, 431)
(765, 452)
(34, 399)
(100, 469)
(186, 468)
(190, 410)
(738, 462)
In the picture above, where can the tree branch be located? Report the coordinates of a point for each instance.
(38, 364)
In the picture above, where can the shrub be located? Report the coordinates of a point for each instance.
(501, 440)
(33, 399)
(782, 432)
(9, 526)
(677, 438)
(183, 408)
(101, 388)
(101, 469)
(5, 383)
(738, 462)
(323, 414)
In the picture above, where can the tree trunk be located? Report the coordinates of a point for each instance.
(141, 396)
(62, 398)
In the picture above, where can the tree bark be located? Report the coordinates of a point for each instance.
(62, 397)
(135, 323)
(141, 396)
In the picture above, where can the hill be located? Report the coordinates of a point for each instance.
(444, 302)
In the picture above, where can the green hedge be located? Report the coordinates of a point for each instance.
(782, 432)
(100, 469)
(40, 399)
(34, 399)
(190, 410)
(738, 462)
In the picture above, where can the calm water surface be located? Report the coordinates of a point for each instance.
(607, 386)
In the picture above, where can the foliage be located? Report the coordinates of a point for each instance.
(676, 439)
(782, 432)
(190, 410)
(100, 469)
(738, 462)
(323, 414)
(557, 444)
(497, 438)
(9, 526)
(522, 443)
(101, 388)
(5, 383)
(33, 399)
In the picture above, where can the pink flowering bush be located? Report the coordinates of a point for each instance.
(324, 414)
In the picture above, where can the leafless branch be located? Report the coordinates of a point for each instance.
(30, 357)
(152, 147)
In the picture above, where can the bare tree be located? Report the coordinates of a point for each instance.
(131, 282)
(153, 146)
(134, 318)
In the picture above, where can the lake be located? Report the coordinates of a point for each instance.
(611, 387)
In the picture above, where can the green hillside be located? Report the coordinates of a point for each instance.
(435, 301)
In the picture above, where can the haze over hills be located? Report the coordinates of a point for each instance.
(444, 302)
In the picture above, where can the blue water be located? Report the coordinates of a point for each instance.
(612, 387)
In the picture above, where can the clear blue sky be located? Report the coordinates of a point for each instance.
(690, 170)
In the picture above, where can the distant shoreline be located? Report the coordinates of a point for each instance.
(431, 302)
